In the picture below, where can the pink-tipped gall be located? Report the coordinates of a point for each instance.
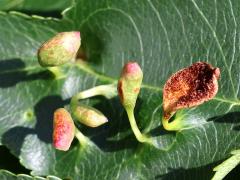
(63, 129)
(129, 84)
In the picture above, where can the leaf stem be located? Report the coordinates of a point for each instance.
(108, 91)
(83, 140)
(56, 71)
(175, 125)
(140, 137)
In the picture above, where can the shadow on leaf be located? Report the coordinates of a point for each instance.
(14, 138)
(199, 173)
(107, 137)
(10, 162)
(159, 130)
(232, 117)
(55, 14)
(192, 173)
(12, 72)
(91, 45)
(43, 110)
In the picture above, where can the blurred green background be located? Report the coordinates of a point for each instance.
(52, 8)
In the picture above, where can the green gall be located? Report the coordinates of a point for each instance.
(63, 129)
(89, 116)
(129, 84)
(60, 49)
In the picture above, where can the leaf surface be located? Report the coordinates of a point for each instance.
(31, 5)
(6, 175)
(163, 37)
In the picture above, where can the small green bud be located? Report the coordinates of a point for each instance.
(129, 84)
(63, 129)
(60, 49)
(89, 116)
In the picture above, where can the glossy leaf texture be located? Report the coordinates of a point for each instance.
(163, 37)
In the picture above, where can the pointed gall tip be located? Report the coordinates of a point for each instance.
(77, 34)
(216, 73)
(131, 68)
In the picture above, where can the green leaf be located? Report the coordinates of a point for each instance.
(31, 5)
(6, 175)
(163, 37)
(228, 165)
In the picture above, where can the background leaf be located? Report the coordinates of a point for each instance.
(10, 162)
(163, 37)
(31, 5)
(10, 176)
(46, 8)
(227, 166)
